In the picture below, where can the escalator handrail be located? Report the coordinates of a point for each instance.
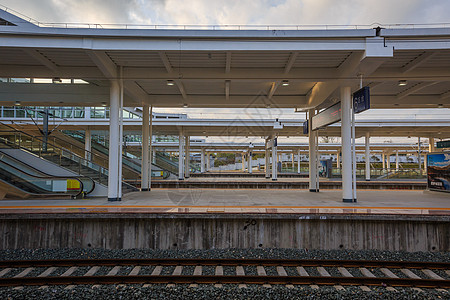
(124, 157)
(47, 178)
(46, 175)
(54, 146)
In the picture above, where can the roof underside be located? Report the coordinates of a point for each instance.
(225, 68)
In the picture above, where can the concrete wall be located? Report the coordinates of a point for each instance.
(408, 233)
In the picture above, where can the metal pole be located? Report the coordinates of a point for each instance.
(45, 130)
(274, 159)
(367, 155)
(145, 150)
(354, 154)
(419, 160)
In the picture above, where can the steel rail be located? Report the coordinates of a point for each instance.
(219, 279)
(224, 262)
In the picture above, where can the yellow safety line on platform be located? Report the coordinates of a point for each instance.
(217, 206)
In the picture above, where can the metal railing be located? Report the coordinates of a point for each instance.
(58, 155)
(218, 26)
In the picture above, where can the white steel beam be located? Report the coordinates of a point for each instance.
(165, 61)
(414, 89)
(227, 90)
(180, 86)
(290, 62)
(228, 63)
(418, 61)
(273, 88)
(42, 59)
(104, 63)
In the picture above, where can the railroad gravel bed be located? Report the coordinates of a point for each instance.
(227, 291)
(210, 292)
(19, 254)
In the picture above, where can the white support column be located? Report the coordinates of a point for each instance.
(419, 157)
(396, 161)
(293, 161)
(267, 163)
(383, 158)
(425, 163)
(150, 152)
(298, 161)
(367, 156)
(208, 162)
(202, 161)
(250, 169)
(274, 160)
(313, 184)
(145, 149)
(87, 145)
(388, 162)
(114, 165)
(187, 157)
(338, 159)
(347, 189)
(431, 145)
(243, 162)
(180, 157)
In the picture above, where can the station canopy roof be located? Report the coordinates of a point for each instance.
(302, 69)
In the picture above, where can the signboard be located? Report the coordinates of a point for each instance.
(325, 168)
(327, 117)
(443, 144)
(305, 127)
(438, 171)
(361, 100)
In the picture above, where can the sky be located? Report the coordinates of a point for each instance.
(239, 12)
(232, 12)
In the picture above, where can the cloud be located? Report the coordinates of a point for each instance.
(261, 12)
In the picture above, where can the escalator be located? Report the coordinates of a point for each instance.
(127, 161)
(18, 180)
(61, 156)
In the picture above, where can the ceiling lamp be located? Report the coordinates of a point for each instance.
(185, 105)
(170, 82)
(402, 82)
(17, 103)
(285, 83)
(104, 104)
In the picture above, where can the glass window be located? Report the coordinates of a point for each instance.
(20, 113)
(8, 112)
(79, 112)
(67, 112)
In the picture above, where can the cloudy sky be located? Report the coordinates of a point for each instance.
(238, 12)
(261, 12)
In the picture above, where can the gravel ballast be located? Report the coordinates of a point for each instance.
(227, 291)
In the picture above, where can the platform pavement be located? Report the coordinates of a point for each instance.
(245, 201)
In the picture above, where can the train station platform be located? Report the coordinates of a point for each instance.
(242, 201)
(232, 218)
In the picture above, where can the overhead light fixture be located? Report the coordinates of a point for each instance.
(56, 80)
(402, 82)
(185, 105)
(17, 103)
(440, 105)
(170, 82)
(285, 83)
(103, 104)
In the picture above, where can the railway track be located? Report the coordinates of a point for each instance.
(337, 273)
